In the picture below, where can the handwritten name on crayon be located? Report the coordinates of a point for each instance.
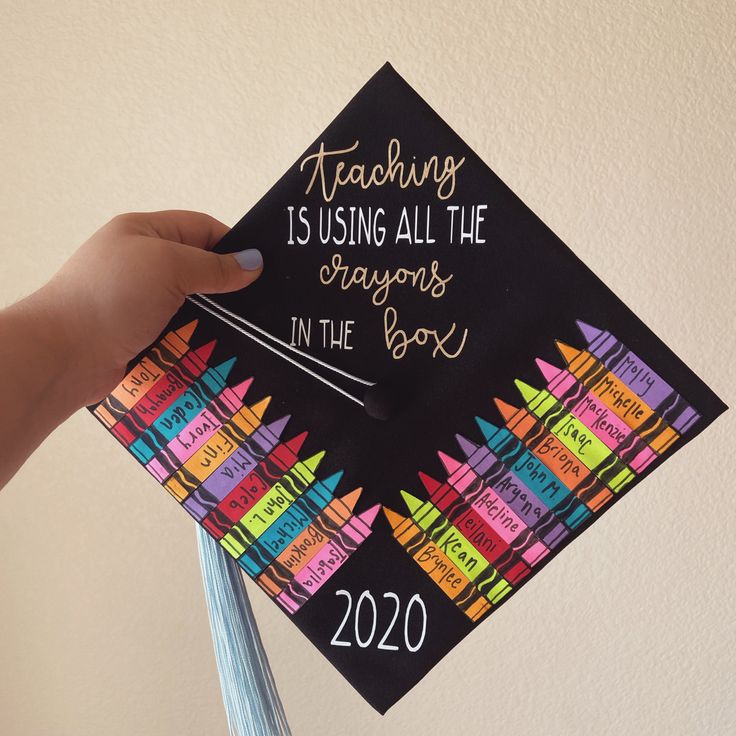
(134, 384)
(497, 511)
(331, 171)
(620, 400)
(601, 420)
(568, 463)
(638, 374)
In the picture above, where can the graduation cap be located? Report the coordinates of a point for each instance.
(406, 288)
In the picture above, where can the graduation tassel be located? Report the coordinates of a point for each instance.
(252, 704)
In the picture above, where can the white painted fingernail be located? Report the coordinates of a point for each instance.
(249, 260)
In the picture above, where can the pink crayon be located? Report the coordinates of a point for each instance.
(197, 432)
(532, 511)
(327, 561)
(587, 407)
(493, 511)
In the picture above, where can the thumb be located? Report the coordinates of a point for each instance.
(215, 273)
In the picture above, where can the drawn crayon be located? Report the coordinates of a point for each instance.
(250, 489)
(186, 442)
(478, 531)
(456, 546)
(164, 392)
(547, 448)
(292, 522)
(440, 569)
(618, 397)
(508, 536)
(513, 454)
(596, 415)
(639, 377)
(580, 440)
(202, 395)
(327, 561)
(334, 519)
(273, 503)
(150, 368)
(242, 437)
(532, 511)
(209, 384)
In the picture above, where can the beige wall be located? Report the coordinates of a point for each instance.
(614, 121)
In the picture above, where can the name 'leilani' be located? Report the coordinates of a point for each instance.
(443, 174)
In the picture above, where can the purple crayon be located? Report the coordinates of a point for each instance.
(252, 450)
(520, 499)
(639, 377)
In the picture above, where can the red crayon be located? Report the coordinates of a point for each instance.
(253, 487)
(505, 558)
(164, 392)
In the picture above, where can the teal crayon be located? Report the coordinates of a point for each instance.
(511, 451)
(289, 525)
(170, 422)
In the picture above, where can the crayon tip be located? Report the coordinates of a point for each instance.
(206, 351)
(312, 463)
(278, 426)
(188, 330)
(449, 463)
(589, 332)
(330, 483)
(567, 352)
(369, 515)
(467, 446)
(412, 502)
(393, 518)
(489, 430)
(528, 393)
(295, 443)
(548, 371)
(350, 499)
(224, 368)
(259, 409)
(429, 483)
(241, 389)
(505, 410)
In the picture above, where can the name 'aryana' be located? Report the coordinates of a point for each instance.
(360, 174)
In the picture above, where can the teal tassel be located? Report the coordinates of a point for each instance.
(252, 703)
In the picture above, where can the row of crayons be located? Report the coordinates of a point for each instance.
(193, 432)
(533, 483)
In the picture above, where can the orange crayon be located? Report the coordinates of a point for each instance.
(619, 398)
(158, 359)
(306, 544)
(453, 583)
(555, 455)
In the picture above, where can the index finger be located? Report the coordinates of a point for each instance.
(181, 226)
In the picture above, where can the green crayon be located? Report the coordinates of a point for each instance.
(458, 549)
(579, 439)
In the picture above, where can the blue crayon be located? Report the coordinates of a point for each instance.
(532, 472)
(181, 412)
(289, 525)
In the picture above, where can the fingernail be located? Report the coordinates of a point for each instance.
(249, 260)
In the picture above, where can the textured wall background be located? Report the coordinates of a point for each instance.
(613, 121)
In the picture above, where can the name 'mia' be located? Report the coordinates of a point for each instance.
(406, 174)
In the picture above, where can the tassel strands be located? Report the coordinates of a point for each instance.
(252, 703)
